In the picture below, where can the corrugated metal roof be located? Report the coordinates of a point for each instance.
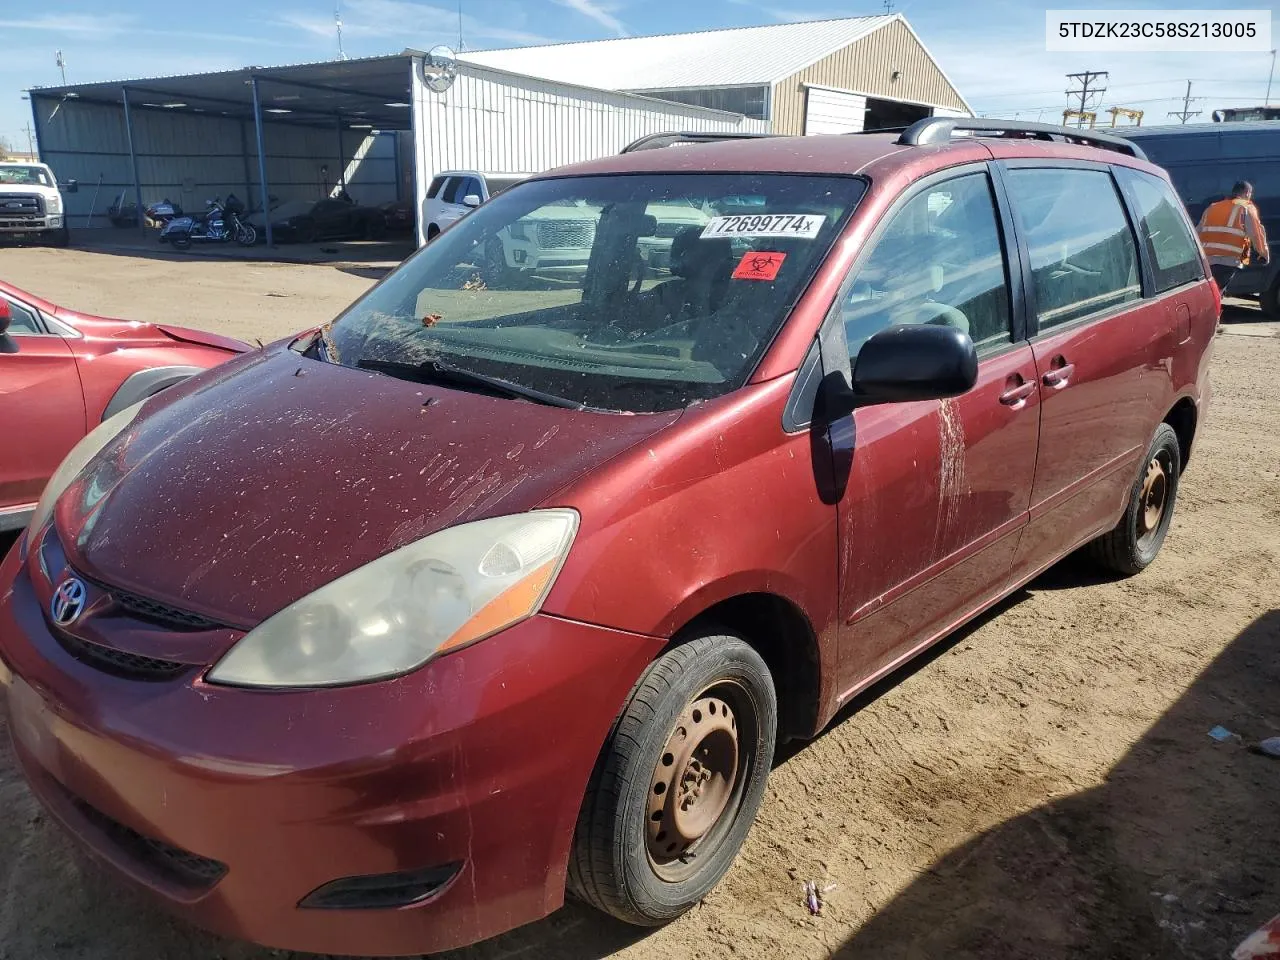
(1234, 126)
(713, 58)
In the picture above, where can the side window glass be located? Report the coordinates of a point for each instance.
(1173, 249)
(472, 186)
(434, 189)
(940, 261)
(451, 190)
(1083, 256)
(23, 320)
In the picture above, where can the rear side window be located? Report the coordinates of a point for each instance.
(452, 189)
(1172, 248)
(939, 261)
(1083, 255)
(434, 189)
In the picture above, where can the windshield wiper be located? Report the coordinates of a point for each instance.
(432, 371)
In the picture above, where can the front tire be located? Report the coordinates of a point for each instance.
(246, 235)
(1133, 544)
(678, 783)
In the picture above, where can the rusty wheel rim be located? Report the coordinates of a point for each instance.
(1155, 498)
(693, 782)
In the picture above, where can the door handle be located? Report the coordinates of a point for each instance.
(1058, 376)
(1017, 396)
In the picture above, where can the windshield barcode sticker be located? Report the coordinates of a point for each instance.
(802, 225)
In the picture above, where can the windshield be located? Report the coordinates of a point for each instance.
(633, 292)
(25, 176)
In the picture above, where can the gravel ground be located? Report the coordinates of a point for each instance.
(1041, 786)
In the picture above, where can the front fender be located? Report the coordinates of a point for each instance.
(146, 383)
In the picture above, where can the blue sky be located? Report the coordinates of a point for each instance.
(992, 49)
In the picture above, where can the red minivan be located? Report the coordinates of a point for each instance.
(380, 639)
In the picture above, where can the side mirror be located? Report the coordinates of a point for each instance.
(471, 200)
(915, 362)
(71, 186)
(6, 316)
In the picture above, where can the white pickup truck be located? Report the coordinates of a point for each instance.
(31, 203)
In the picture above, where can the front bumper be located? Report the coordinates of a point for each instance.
(26, 225)
(479, 759)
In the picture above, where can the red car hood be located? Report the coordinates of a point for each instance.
(248, 487)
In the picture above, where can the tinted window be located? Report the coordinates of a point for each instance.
(23, 320)
(452, 190)
(940, 261)
(471, 186)
(1083, 257)
(639, 293)
(434, 189)
(1171, 246)
(498, 184)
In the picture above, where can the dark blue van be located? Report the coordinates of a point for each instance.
(1205, 160)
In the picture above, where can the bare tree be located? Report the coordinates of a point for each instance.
(6, 148)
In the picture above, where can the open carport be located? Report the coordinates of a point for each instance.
(381, 127)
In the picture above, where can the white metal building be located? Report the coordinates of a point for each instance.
(381, 126)
(825, 76)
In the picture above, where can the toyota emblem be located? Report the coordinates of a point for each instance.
(68, 601)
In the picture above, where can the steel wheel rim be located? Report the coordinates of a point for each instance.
(697, 783)
(1154, 495)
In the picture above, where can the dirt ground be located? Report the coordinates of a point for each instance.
(1042, 786)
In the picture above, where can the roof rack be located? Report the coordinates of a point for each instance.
(656, 140)
(934, 130)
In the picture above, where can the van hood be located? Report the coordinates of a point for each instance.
(250, 486)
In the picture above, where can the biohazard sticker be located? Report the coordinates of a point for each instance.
(801, 226)
(758, 265)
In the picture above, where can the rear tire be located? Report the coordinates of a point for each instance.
(182, 241)
(1133, 544)
(686, 761)
(1269, 299)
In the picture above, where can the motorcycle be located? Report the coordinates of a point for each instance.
(158, 214)
(221, 223)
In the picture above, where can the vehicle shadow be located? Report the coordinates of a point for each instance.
(382, 254)
(1175, 855)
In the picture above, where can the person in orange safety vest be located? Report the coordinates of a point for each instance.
(1229, 230)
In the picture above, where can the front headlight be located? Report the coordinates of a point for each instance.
(80, 455)
(55, 203)
(391, 616)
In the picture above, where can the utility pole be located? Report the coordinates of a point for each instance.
(31, 139)
(1186, 113)
(62, 65)
(459, 26)
(1270, 77)
(337, 20)
(1088, 93)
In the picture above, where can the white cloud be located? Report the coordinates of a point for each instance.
(784, 15)
(601, 13)
(397, 21)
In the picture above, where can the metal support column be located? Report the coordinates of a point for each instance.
(262, 160)
(133, 158)
(340, 177)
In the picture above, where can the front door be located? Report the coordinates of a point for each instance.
(1093, 346)
(938, 492)
(41, 406)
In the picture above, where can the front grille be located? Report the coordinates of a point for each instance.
(21, 205)
(556, 234)
(668, 230)
(176, 865)
(130, 666)
(153, 611)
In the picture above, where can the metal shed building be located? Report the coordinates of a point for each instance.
(381, 126)
(826, 76)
